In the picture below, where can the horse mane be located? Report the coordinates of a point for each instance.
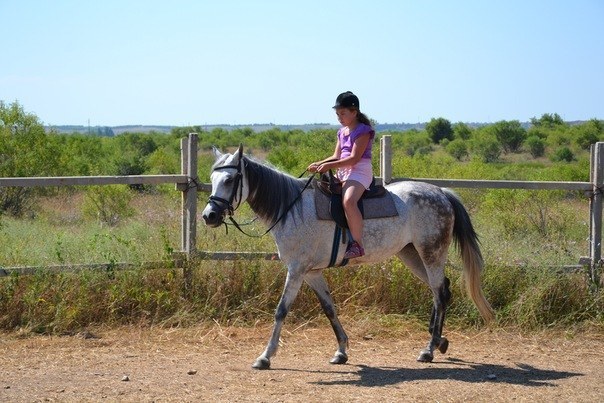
(271, 192)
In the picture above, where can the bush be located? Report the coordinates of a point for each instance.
(412, 142)
(510, 134)
(458, 149)
(538, 132)
(486, 147)
(563, 154)
(559, 137)
(108, 204)
(284, 157)
(462, 131)
(536, 146)
(162, 161)
(587, 134)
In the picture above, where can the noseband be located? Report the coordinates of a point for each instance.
(237, 187)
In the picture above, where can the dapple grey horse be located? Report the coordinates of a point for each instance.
(429, 218)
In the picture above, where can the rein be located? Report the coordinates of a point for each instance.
(238, 186)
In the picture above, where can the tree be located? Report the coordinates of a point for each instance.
(588, 133)
(412, 142)
(25, 150)
(285, 157)
(485, 145)
(547, 120)
(510, 134)
(457, 149)
(439, 129)
(536, 146)
(462, 131)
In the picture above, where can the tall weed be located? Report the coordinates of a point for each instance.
(246, 292)
(108, 204)
(523, 212)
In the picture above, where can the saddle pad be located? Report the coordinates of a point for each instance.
(377, 207)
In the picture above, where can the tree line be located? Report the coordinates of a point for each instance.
(27, 149)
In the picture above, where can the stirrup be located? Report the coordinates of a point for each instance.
(354, 250)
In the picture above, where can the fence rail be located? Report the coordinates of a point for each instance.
(93, 180)
(188, 185)
(501, 184)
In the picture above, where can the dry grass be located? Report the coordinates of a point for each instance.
(517, 280)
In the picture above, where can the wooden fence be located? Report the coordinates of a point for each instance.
(187, 183)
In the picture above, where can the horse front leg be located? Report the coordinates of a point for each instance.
(442, 296)
(317, 282)
(290, 291)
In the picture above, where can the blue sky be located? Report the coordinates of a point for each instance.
(117, 62)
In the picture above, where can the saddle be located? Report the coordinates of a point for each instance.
(331, 187)
(376, 202)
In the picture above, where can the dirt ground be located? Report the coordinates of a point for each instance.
(213, 363)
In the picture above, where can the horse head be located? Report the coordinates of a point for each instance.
(229, 186)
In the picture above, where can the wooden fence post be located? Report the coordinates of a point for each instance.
(191, 200)
(189, 205)
(184, 166)
(595, 210)
(386, 159)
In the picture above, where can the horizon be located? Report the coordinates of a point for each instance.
(294, 124)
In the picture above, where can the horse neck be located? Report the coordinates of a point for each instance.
(270, 192)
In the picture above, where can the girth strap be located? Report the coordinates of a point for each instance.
(337, 235)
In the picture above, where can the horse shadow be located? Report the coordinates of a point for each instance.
(464, 371)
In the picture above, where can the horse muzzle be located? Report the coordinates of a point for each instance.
(213, 215)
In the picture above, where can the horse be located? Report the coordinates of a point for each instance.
(429, 219)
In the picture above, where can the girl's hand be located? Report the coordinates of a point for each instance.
(323, 167)
(312, 167)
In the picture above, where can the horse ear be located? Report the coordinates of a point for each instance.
(240, 150)
(216, 152)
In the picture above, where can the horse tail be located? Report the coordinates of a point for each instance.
(466, 241)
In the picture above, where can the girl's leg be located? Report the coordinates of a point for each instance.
(351, 194)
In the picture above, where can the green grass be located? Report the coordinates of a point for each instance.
(519, 279)
(59, 233)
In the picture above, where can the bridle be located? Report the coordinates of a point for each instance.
(238, 187)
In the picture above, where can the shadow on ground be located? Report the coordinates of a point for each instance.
(518, 374)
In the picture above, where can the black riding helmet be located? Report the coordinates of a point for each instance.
(347, 100)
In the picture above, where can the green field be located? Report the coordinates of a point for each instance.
(527, 237)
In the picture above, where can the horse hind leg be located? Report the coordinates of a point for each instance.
(439, 284)
(317, 282)
(290, 291)
(442, 296)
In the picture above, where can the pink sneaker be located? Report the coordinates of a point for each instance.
(354, 250)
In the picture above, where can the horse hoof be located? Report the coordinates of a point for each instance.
(425, 356)
(443, 345)
(339, 358)
(262, 363)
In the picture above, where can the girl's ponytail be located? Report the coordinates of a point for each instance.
(361, 117)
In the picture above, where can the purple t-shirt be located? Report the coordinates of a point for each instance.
(347, 141)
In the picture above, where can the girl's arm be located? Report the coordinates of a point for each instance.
(336, 155)
(358, 148)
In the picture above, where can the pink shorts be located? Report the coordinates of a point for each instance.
(361, 172)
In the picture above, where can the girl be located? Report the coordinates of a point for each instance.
(352, 162)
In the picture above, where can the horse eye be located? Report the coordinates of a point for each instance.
(228, 181)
